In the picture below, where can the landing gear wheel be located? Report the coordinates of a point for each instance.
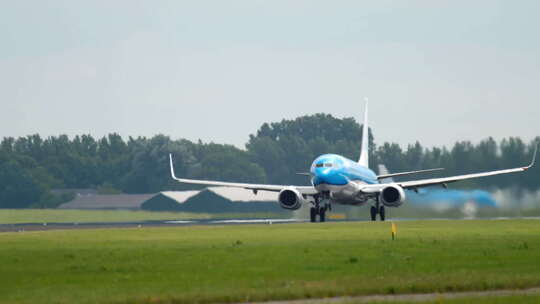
(322, 214)
(381, 213)
(313, 214)
(373, 213)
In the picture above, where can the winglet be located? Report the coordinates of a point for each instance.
(172, 167)
(533, 160)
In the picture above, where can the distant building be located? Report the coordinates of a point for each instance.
(77, 192)
(107, 201)
(213, 199)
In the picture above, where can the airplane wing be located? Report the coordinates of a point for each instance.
(388, 175)
(444, 180)
(307, 190)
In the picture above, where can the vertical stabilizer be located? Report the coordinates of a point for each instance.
(364, 153)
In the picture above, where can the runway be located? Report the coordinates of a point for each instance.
(96, 225)
(204, 222)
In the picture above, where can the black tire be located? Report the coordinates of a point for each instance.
(381, 213)
(373, 213)
(322, 215)
(313, 214)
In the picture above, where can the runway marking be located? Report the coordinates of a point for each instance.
(180, 222)
(412, 297)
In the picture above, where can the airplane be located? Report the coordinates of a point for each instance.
(336, 179)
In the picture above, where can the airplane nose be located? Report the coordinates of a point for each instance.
(324, 171)
(325, 176)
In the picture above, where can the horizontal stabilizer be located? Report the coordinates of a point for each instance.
(407, 173)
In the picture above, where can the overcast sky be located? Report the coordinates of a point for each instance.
(434, 71)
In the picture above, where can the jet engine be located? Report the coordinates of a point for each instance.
(392, 196)
(290, 198)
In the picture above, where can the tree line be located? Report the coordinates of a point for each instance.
(31, 166)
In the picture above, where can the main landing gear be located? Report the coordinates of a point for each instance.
(319, 209)
(377, 208)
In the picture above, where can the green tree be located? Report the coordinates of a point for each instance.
(18, 189)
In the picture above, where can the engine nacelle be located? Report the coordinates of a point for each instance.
(392, 196)
(290, 198)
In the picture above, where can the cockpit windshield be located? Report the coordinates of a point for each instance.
(327, 165)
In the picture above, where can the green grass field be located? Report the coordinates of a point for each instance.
(266, 262)
(17, 216)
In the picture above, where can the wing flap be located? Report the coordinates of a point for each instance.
(382, 176)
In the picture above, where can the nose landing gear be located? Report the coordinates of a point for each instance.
(319, 209)
(377, 209)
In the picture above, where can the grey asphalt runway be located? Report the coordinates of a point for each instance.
(56, 226)
(96, 225)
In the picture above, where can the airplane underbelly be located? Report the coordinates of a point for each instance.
(344, 194)
(338, 198)
(330, 188)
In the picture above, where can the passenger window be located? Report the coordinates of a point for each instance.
(319, 165)
(328, 165)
